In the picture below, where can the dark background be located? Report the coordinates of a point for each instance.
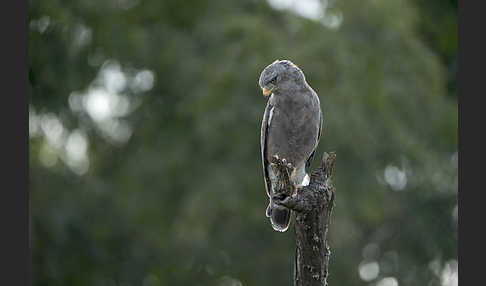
(144, 126)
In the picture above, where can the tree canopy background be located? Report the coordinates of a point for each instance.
(144, 126)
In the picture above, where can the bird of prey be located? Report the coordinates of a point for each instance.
(291, 129)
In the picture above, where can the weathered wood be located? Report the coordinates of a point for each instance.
(312, 207)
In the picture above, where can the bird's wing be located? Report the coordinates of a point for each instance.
(311, 157)
(263, 146)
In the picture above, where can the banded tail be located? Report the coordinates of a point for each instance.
(279, 216)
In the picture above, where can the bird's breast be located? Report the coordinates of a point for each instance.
(292, 132)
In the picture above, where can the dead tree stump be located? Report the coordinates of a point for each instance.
(312, 207)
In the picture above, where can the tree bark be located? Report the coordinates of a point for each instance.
(312, 207)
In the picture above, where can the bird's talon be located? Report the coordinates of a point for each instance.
(290, 167)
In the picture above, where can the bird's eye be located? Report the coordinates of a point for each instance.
(274, 80)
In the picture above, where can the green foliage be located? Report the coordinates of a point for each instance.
(179, 199)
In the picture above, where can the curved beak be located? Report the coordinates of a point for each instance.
(267, 92)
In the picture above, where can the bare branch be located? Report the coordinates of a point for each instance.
(312, 206)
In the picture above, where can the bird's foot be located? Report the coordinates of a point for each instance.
(289, 167)
(275, 158)
(283, 162)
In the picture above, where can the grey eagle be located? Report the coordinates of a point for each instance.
(291, 129)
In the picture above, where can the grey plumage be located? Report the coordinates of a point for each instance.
(291, 129)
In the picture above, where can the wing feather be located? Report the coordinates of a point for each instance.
(311, 157)
(263, 146)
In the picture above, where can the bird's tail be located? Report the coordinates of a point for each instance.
(279, 216)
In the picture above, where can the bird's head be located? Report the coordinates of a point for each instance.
(279, 75)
